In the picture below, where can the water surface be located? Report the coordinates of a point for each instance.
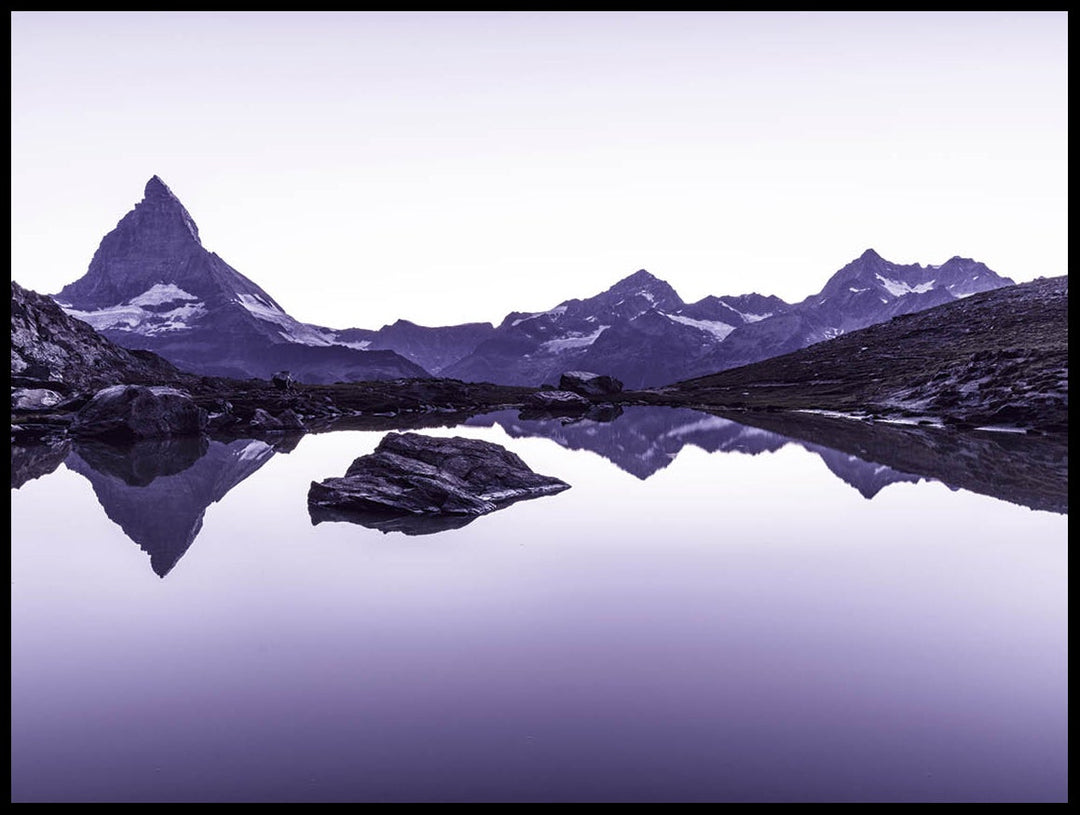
(710, 613)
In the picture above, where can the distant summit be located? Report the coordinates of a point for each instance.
(643, 333)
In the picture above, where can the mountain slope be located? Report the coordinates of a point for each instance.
(152, 285)
(997, 358)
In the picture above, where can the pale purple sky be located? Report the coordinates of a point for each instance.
(449, 167)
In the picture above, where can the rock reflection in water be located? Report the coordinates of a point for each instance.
(30, 461)
(1028, 470)
(157, 491)
(640, 440)
(141, 463)
(644, 440)
(406, 524)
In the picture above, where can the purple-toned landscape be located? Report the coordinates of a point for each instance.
(539, 407)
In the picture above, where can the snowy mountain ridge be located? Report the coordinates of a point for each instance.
(152, 285)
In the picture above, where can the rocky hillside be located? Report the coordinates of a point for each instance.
(51, 349)
(997, 358)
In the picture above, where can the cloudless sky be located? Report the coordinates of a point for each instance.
(451, 167)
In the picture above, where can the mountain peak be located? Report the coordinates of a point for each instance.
(639, 280)
(642, 288)
(639, 277)
(870, 254)
(156, 188)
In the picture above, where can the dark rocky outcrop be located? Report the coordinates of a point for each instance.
(125, 413)
(410, 474)
(53, 351)
(587, 383)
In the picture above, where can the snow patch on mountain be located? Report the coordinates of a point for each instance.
(255, 450)
(572, 340)
(259, 307)
(753, 318)
(143, 314)
(294, 331)
(898, 288)
(700, 426)
(161, 293)
(555, 312)
(716, 328)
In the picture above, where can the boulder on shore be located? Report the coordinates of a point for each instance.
(415, 474)
(586, 383)
(126, 413)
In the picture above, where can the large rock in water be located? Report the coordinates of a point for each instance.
(125, 413)
(410, 474)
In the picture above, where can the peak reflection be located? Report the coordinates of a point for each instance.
(157, 491)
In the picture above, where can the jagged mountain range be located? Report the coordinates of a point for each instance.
(152, 285)
(643, 333)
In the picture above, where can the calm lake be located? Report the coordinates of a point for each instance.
(711, 612)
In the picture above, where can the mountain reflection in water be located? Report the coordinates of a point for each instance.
(158, 491)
